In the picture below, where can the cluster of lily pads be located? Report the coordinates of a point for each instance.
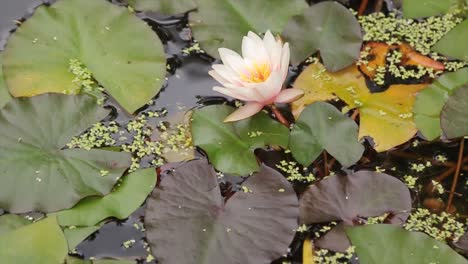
(368, 85)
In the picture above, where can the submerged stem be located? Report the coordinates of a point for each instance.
(280, 116)
(457, 173)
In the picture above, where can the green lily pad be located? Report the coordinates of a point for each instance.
(40, 243)
(223, 23)
(166, 7)
(95, 32)
(230, 146)
(430, 101)
(76, 235)
(37, 173)
(121, 203)
(388, 244)
(453, 44)
(427, 8)
(189, 222)
(329, 27)
(5, 96)
(322, 127)
(10, 222)
(453, 119)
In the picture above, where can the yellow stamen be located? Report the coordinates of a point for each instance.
(257, 73)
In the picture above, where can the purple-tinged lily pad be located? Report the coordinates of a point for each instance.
(347, 198)
(187, 220)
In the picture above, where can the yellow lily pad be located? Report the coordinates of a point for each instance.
(386, 117)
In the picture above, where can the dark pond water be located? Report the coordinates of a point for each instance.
(187, 86)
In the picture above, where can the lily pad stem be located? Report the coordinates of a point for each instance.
(279, 116)
(457, 173)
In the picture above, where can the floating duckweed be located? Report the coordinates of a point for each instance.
(254, 134)
(84, 78)
(379, 169)
(441, 158)
(418, 167)
(194, 49)
(312, 60)
(302, 228)
(324, 256)
(410, 181)
(104, 173)
(377, 219)
(246, 189)
(420, 34)
(437, 187)
(129, 243)
(415, 143)
(292, 171)
(440, 227)
(97, 136)
(405, 115)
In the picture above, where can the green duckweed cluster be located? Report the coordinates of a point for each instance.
(293, 173)
(135, 138)
(419, 34)
(410, 181)
(441, 226)
(84, 78)
(324, 256)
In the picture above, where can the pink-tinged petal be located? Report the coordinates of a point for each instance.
(236, 93)
(274, 50)
(285, 60)
(248, 110)
(227, 74)
(267, 91)
(232, 60)
(289, 95)
(253, 52)
(218, 77)
(255, 38)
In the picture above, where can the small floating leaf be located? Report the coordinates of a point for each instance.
(322, 127)
(453, 44)
(167, 7)
(388, 244)
(48, 177)
(37, 55)
(426, 8)
(230, 146)
(328, 27)
(223, 23)
(430, 101)
(188, 221)
(129, 194)
(454, 118)
(39, 243)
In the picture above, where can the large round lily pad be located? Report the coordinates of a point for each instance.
(329, 27)
(188, 222)
(223, 23)
(167, 7)
(5, 96)
(39, 243)
(122, 52)
(387, 244)
(346, 198)
(36, 173)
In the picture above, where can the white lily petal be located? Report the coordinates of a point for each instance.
(285, 60)
(227, 73)
(234, 93)
(218, 77)
(248, 110)
(274, 53)
(267, 91)
(253, 53)
(289, 95)
(232, 60)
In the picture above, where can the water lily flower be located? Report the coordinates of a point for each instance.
(256, 78)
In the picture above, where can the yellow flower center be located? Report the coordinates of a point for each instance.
(257, 73)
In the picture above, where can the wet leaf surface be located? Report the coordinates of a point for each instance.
(41, 243)
(230, 146)
(167, 7)
(348, 198)
(48, 177)
(426, 8)
(429, 102)
(5, 96)
(451, 44)
(188, 203)
(10, 222)
(223, 23)
(329, 27)
(454, 118)
(322, 127)
(37, 56)
(128, 195)
(379, 112)
(387, 244)
(76, 235)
